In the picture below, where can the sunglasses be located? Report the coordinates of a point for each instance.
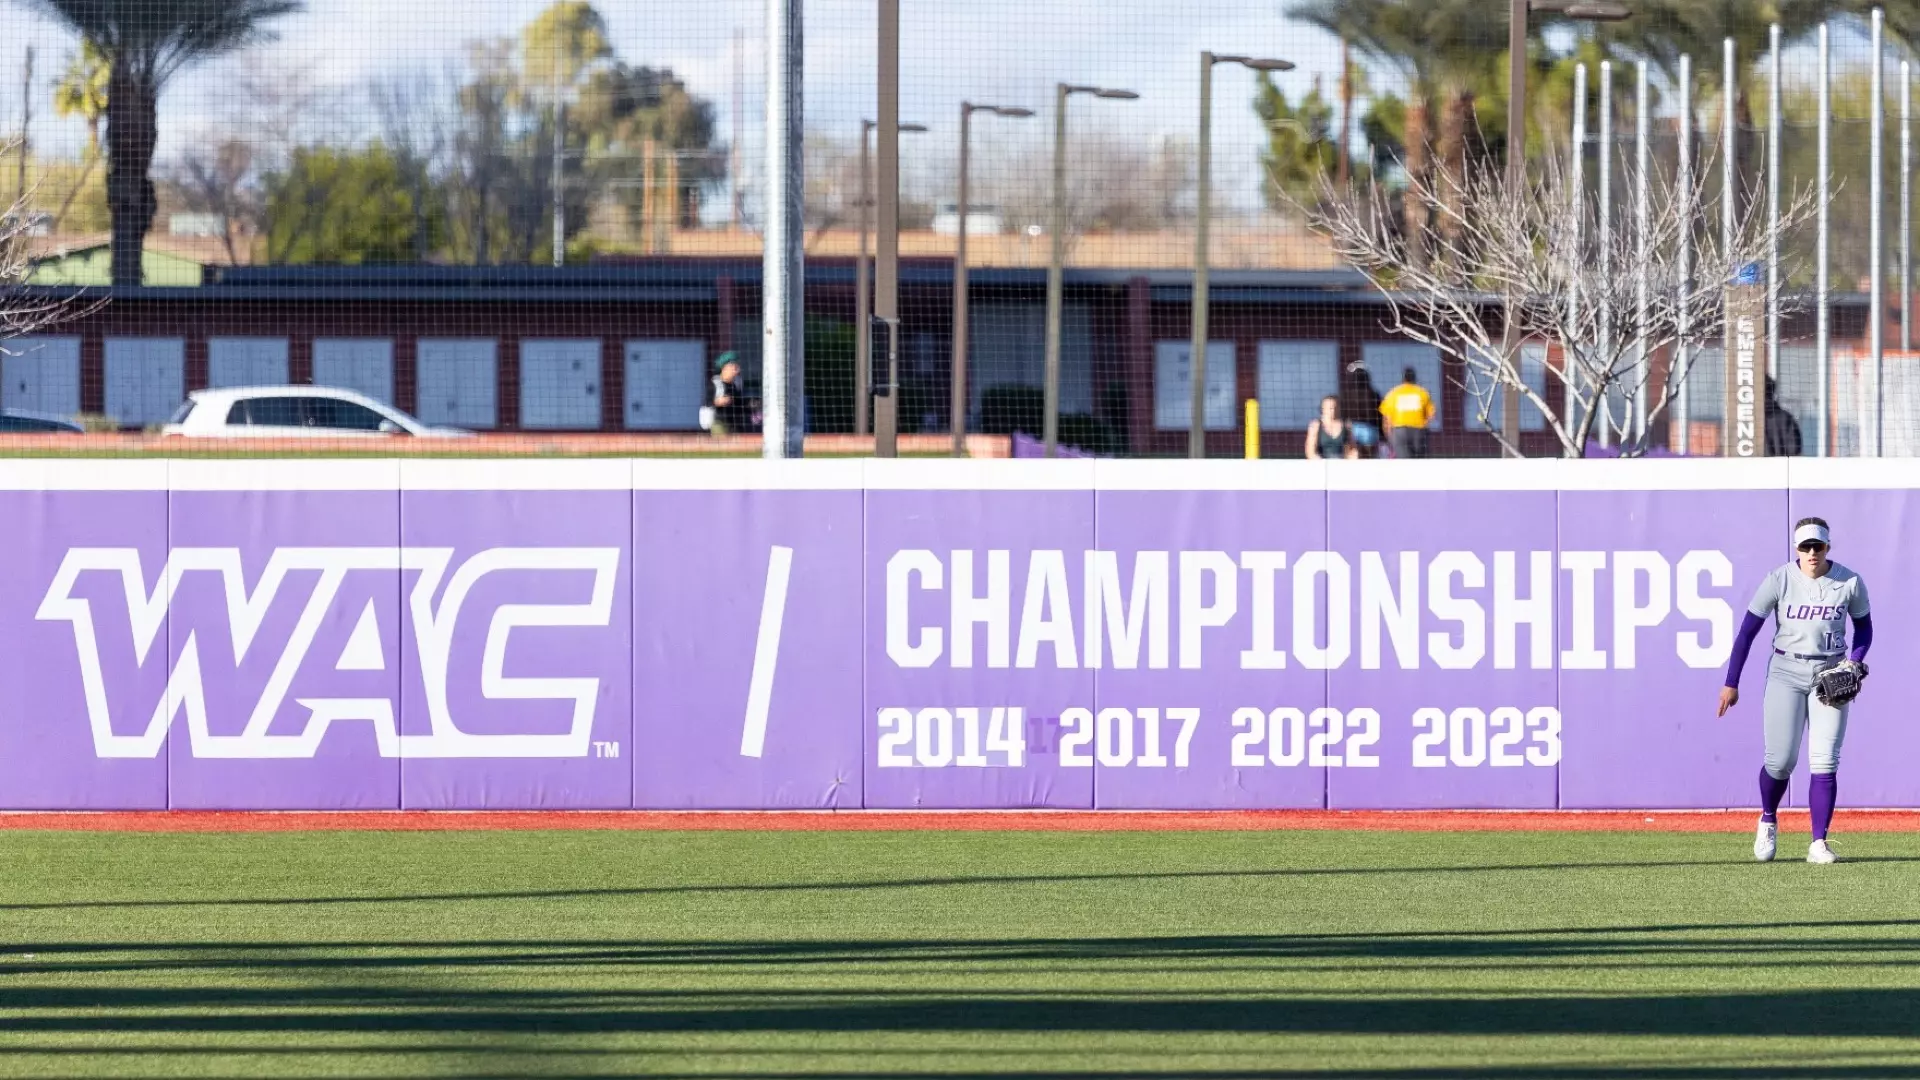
(1813, 546)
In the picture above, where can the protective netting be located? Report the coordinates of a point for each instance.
(275, 222)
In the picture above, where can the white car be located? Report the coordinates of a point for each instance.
(274, 412)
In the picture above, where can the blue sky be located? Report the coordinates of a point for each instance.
(1003, 51)
(1007, 51)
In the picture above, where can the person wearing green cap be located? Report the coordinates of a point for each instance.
(727, 410)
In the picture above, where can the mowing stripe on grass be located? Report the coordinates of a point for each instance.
(1730, 821)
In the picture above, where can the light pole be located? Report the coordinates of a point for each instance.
(863, 299)
(1056, 268)
(559, 172)
(1202, 248)
(1581, 11)
(958, 425)
(886, 268)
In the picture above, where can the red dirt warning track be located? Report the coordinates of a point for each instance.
(1733, 821)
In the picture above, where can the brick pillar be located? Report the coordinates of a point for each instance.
(507, 391)
(406, 374)
(613, 383)
(93, 374)
(196, 375)
(1138, 341)
(300, 359)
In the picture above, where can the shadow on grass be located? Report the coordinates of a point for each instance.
(1833, 1014)
(1890, 1012)
(398, 987)
(1883, 941)
(562, 1061)
(723, 888)
(408, 1003)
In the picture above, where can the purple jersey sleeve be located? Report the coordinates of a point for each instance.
(1750, 628)
(1862, 637)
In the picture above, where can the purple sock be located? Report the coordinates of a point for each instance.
(1822, 793)
(1772, 790)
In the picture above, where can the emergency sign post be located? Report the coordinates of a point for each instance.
(1746, 366)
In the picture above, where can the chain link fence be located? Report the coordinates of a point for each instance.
(267, 226)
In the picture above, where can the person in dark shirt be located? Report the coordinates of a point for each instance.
(1331, 435)
(1360, 404)
(727, 397)
(1783, 431)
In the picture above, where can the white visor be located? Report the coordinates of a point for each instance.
(1808, 532)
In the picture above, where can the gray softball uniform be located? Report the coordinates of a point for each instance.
(1810, 617)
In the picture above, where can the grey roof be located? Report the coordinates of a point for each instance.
(695, 280)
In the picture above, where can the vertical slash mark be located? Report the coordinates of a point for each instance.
(166, 632)
(633, 643)
(866, 703)
(1326, 676)
(1093, 793)
(400, 616)
(766, 651)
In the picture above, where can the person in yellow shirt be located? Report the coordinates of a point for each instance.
(1407, 409)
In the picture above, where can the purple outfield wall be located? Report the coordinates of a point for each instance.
(847, 634)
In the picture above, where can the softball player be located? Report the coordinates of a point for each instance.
(1810, 680)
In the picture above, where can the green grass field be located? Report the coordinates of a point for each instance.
(1019, 954)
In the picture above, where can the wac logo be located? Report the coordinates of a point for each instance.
(435, 602)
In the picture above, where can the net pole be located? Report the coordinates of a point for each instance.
(1773, 196)
(782, 302)
(1876, 230)
(1683, 348)
(957, 424)
(1642, 224)
(1822, 342)
(1906, 207)
(1604, 385)
(1577, 169)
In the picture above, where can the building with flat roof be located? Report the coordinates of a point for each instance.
(627, 346)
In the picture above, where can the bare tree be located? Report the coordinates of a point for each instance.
(146, 45)
(1537, 248)
(283, 107)
(832, 189)
(416, 126)
(482, 168)
(1114, 183)
(273, 112)
(218, 179)
(22, 310)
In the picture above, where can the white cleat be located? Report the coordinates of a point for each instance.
(1819, 853)
(1766, 841)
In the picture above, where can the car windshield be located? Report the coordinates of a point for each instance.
(180, 414)
(16, 422)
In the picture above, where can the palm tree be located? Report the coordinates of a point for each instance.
(82, 91)
(1662, 31)
(1466, 48)
(1382, 31)
(1445, 49)
(146, 43)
